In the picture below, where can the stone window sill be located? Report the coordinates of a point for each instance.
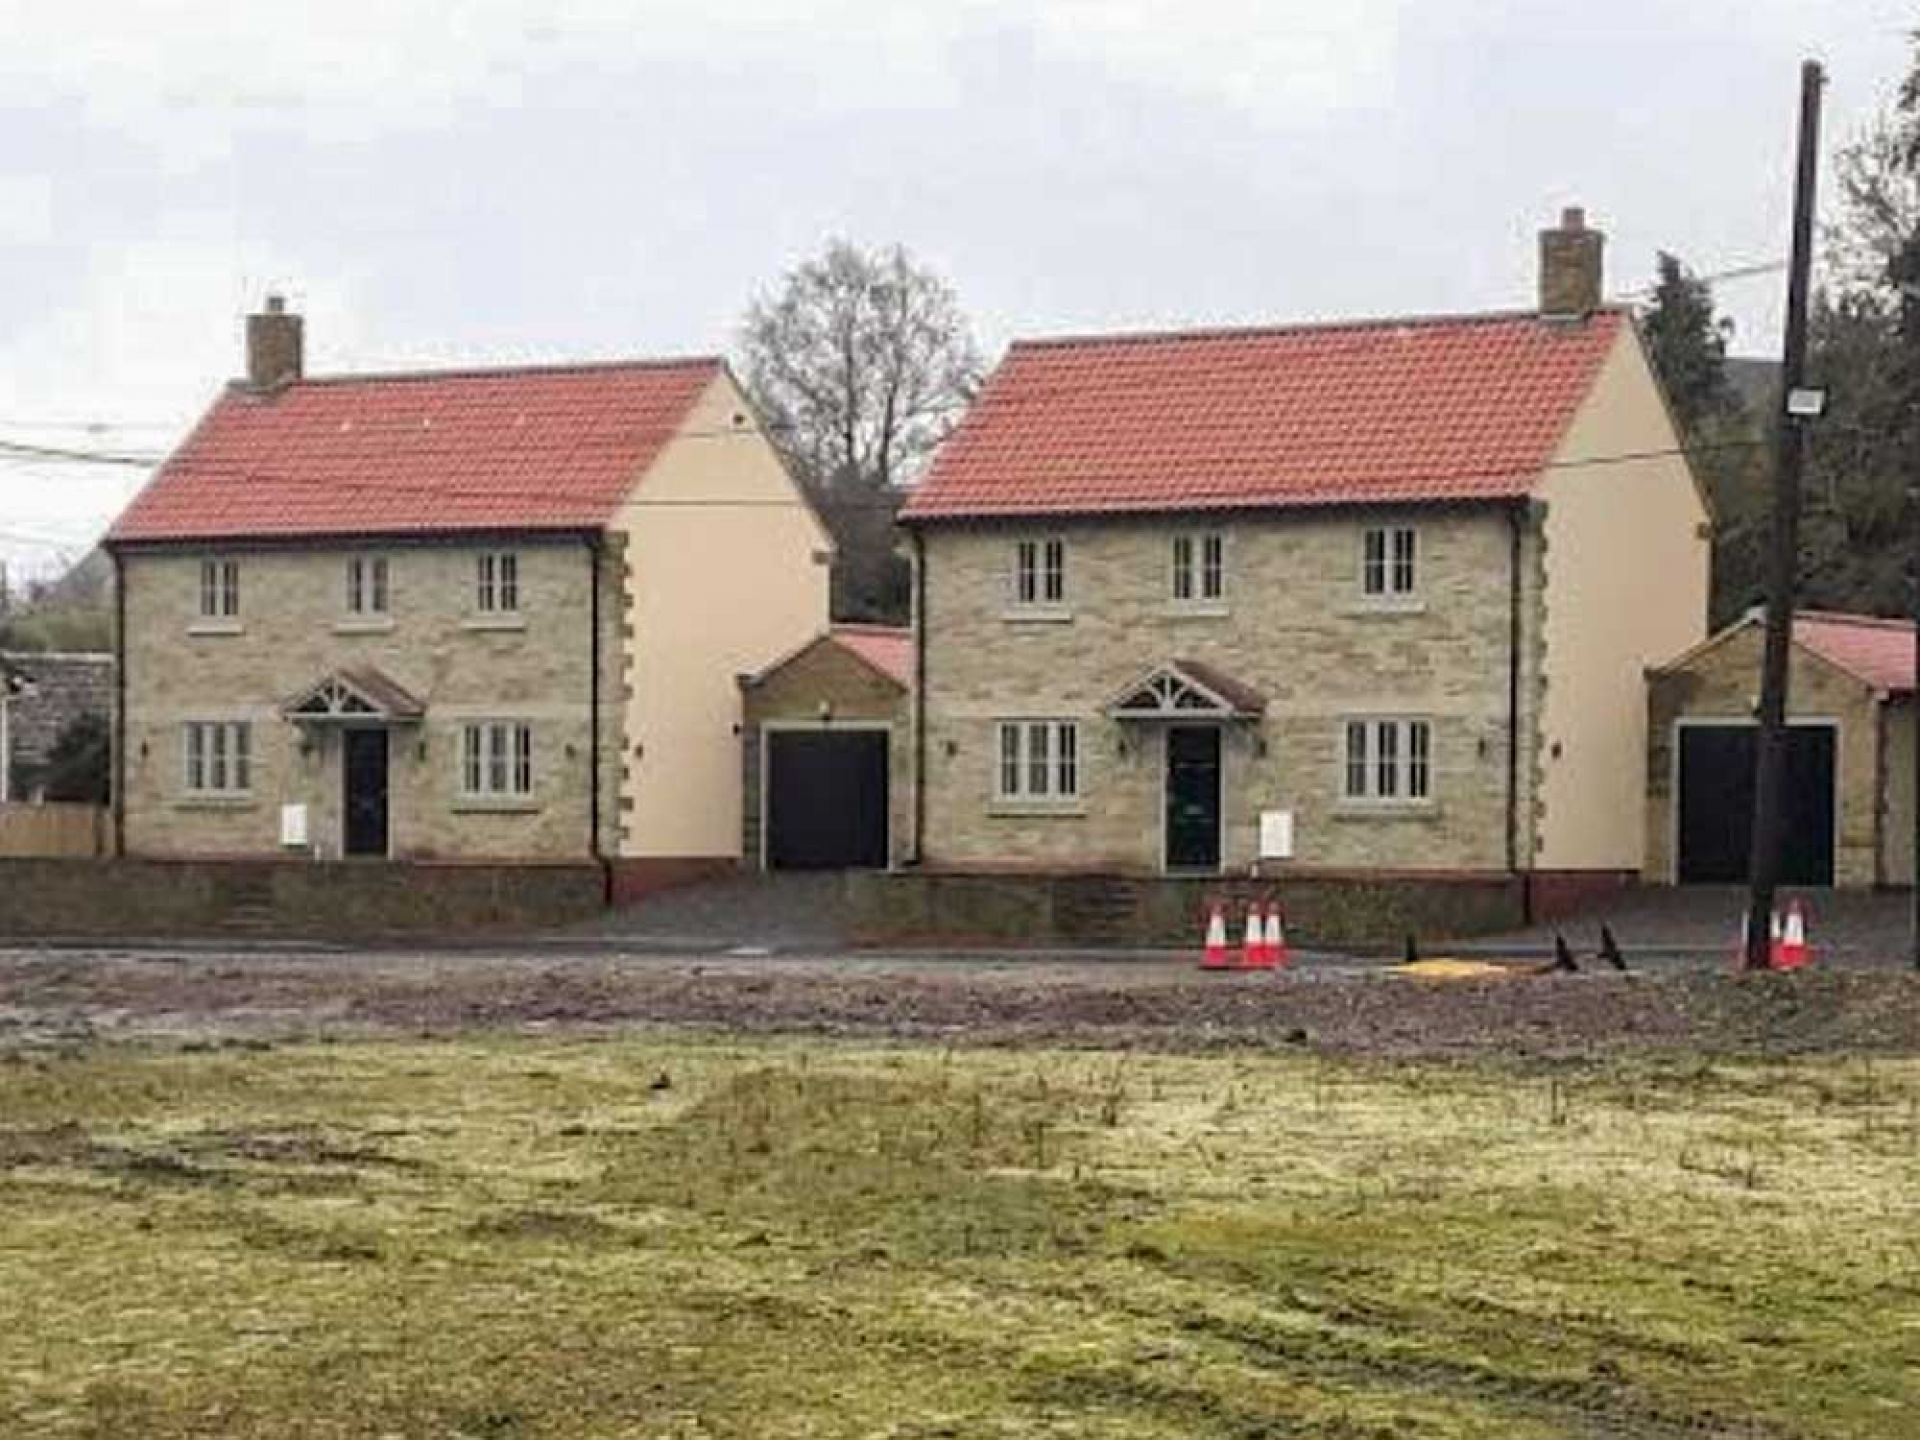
(364, 625)
(1037, 809)
(508, 621)
(216, 627)
(494, 805)
(243, 801)
(1385, 607)
(1196, 610)
(1422, 810)
(1037, 615)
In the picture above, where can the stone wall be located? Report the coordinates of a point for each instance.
(1294, 625)
(792, 695)
(47, 898)
(294, 629)
(1369, 911)
(1896, 792)
(1722, 683)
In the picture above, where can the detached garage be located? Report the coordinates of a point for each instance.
(1849, 761)
(824, 746)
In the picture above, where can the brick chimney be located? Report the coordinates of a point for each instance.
(1570, 267)
(275, 346)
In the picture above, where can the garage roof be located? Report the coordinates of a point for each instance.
(1873, 649)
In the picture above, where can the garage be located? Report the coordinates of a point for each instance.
(826, 799)
(1849, 782)
(1716, 804)
(824, 745)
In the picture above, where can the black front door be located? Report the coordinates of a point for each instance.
(1716, 804)
(365, 764)
(1193, 797)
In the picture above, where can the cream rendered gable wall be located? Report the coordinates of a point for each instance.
(727, 569)
(1627, 558)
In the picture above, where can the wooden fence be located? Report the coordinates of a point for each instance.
(54, 828)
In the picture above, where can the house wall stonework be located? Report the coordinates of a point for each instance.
(1722, 683)
(857, 694)
(1293, 625)
(1896, 792)
(293, 629)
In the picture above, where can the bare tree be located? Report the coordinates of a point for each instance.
(863, 359)
(863, 363)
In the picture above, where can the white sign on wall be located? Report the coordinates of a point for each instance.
(293, 827)
(1276, 834)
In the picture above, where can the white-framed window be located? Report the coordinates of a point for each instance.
(496, 760)
(219, 589)
(1040, 572)
(1200, 566)
(1038, 760)
(367, 585)
(216, 757)
(1388, 760)
(1389, 561)
(497, 582)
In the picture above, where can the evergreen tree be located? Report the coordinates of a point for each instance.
(1688, 343)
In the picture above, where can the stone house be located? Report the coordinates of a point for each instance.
(42, 693)
(1369, 598)
(1849, 754)
(456, 615)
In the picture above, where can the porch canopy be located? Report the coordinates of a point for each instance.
(357, 696)
(1186, 690)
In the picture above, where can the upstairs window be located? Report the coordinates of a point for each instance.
(219, 589)
(1199, 567)
(367, 585)
(497, 583)
(496, 760)
(218, 757)
(1040, 572)
(1039, 760)
(1388, 760)
(1388, 565)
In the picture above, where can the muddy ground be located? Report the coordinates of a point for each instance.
(64, 997)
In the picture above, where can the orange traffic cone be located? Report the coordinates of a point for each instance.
(1214, 956)
(1277, 952)
(1792, 951)
(1255, 942)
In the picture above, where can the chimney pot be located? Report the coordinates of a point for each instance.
(1571, 267)
(276, 345)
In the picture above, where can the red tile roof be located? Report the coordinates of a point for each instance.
(552, 448)
(887, 648)
(1465, 407)
(1869, 648)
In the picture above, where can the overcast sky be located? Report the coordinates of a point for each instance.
(481, 181)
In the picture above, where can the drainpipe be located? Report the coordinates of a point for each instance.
(919, 694)
(1514, 635)
(119, 768)
(593, 721)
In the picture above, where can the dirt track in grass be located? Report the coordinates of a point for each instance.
(51, 996)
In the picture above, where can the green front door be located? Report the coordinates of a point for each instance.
(1193, 797)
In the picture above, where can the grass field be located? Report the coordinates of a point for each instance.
(521, 1237)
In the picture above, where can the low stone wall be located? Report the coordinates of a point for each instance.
(48, 897)
(930, 906)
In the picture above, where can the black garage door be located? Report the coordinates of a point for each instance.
(826, 799)
(1716, 804)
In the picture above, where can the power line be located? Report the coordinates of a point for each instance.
(24, 450)
(1408, 480)
(1737, 272)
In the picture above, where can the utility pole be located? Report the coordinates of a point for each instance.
(1784, 553)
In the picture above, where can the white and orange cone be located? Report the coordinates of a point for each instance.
(1214, 954)
(1277, 953)
(1793, 952)
(1253, 947)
